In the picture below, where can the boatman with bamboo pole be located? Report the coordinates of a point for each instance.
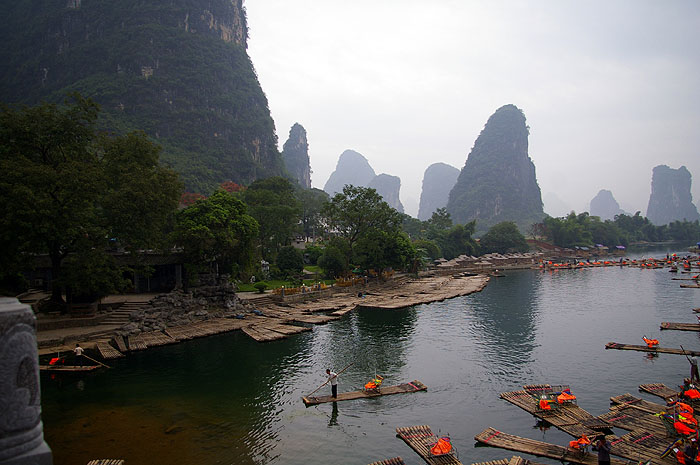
(333, 379)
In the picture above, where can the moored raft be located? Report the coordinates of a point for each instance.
(631, 419)
(638, 403)
(420, 438)
(515, 460)
(68, 368)
(569, 418)
(495, 438)
(659, 389)
(413, 386)
(391, 461)
(107, 351)
(659, 350)
(680, 326)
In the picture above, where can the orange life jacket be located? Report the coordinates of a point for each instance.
(651, 342)
(441, 447)
(544, 405)
(680, 457)
(683, 429)
(692, 394)
(371, 385)
(565, 397)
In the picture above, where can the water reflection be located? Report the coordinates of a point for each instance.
(505, 320)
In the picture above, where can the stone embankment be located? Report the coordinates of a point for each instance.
(177, 316)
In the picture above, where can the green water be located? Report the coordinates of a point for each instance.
(229, 400)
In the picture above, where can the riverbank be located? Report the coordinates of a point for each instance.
(267, 319)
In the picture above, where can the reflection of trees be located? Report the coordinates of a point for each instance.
(505, 319)
(374, 339)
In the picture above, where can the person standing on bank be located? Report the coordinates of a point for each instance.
(78, 351)
(333, 379)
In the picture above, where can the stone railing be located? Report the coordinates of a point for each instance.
(21, 431)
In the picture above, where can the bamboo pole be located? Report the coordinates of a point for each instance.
(338, 374)
(90, 358)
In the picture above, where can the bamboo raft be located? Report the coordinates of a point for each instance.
(690, 286)
(632, 419)
(655, 350)
(638, 403)
(515, 460)
(156, 338)
(106, 462)
(680, 326)
(262, 334)
(107, 351)
(68, 368)
(643, 445)
(413, 386)
(494, 438)
(392, 461)
(420, 438)
(119, 342)
(569, 418)
(137, 343)
(659, 389)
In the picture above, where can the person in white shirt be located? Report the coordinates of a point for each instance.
(333, 379)
(78, 351)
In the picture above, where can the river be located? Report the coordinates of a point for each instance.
(229, 400)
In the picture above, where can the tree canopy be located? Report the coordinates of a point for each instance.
(503, 238)
(68, 190)
(217, 230)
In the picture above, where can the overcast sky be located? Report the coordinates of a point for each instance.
(609, 88)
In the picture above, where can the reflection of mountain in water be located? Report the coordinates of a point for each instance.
(505, 319)
(375, 339)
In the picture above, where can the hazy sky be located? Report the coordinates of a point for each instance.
(609, 88)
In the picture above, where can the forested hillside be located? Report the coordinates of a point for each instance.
(178, 70)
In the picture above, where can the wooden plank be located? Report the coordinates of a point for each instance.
(659, 389)
(392, 461)
(638, 403)
(413, 386)
(420, 438)
(69, 368)
(659, 350)
(569, 418)
(680, 326)
(495, 438)
(107, 351)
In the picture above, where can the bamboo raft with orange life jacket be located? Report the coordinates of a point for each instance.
(555, 405)
(659, 350)
(413, 386)
(495, 438)
(391, 461)
(433, 449)
(68, 368)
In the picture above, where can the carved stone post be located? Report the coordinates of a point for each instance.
(21, 431)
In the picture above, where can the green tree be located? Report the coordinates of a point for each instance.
(64, 194)
(357, 211)
(311, 201)
(217, 231)
(458, 240)
(290, 260)
(503, 237)
(333, 261)
(273, 204)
